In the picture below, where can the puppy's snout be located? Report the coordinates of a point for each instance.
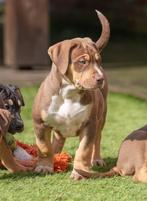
(99, 78)
(100, 81)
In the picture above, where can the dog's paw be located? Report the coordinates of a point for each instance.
(44, 169)
(76, 176)
(98, 162)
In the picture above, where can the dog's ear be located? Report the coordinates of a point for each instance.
(3, 91)
(2, 88)
(60, 54)
(19, 95)
(2, 105)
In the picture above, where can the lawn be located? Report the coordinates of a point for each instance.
(125, 113)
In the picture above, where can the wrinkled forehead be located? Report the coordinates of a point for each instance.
(82, 48)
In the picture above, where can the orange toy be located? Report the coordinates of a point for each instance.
(62, 161)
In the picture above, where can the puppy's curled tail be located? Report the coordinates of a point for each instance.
(94, 175)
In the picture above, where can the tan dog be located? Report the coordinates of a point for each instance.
(132, 158)
(72, 102)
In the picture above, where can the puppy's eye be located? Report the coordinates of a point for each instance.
(82, 62)
(7, 106)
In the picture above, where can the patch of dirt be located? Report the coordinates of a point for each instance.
(131, 80)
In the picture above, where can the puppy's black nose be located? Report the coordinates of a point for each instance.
(19, 127)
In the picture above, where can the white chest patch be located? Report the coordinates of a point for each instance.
(65, 113)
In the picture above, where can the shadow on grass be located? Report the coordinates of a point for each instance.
(110, 162)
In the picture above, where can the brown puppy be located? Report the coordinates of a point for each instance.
(72, 102)
(132, 158)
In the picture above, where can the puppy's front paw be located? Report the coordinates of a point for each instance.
(45, 166)
(44, 169)
(98, 162)
(76, 176)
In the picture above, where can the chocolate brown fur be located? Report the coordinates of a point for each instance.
(78, 79)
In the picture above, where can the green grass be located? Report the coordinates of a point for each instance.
(125, 114)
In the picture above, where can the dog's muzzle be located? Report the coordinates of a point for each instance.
(16, 126)
(101, 83)
(90, 84)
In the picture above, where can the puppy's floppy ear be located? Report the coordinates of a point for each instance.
(60, 54)
(2, 88)
(2, 105)
(20, 97)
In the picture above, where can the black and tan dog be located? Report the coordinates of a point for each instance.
(72, 102)
(11, 101)
(132, 158)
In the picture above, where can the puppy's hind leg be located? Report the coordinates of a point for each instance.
(141, 174)
(96, 156)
